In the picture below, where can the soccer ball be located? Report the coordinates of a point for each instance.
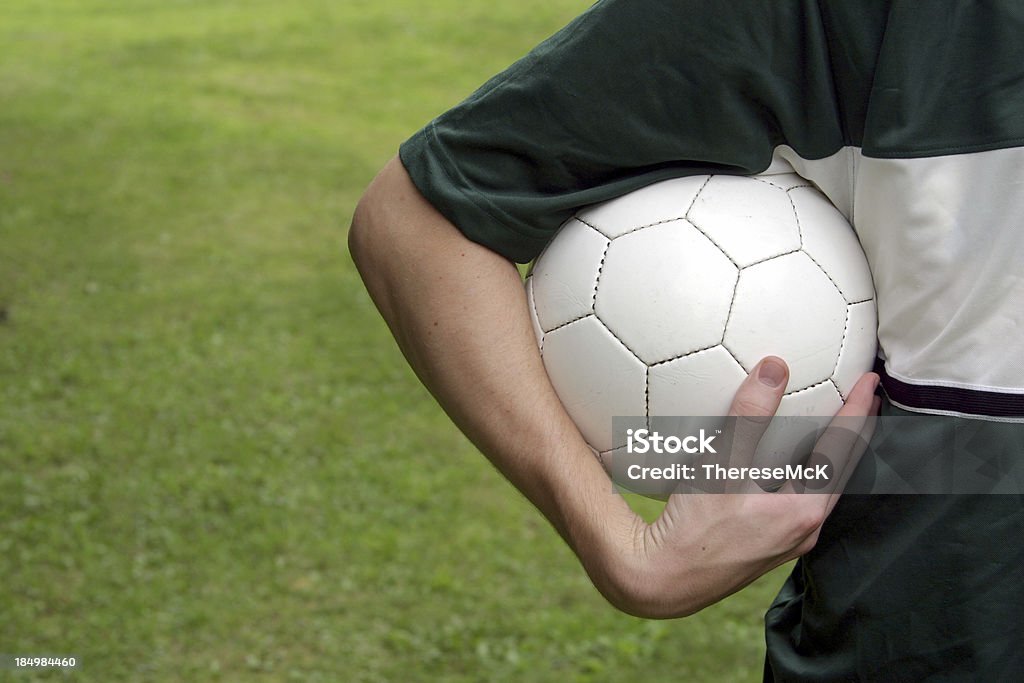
(660, 302)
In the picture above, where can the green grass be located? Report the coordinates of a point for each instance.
(214, 464)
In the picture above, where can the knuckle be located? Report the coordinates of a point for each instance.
(808, 521)
(807, 545)
(752, 409)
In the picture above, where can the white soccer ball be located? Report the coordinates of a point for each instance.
(660, 302)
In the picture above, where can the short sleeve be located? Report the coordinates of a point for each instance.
(631, 92)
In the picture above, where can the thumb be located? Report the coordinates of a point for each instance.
(755, 404)
(761, 392)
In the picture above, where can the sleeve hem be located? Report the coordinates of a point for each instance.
(437, 179)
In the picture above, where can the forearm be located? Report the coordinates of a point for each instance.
(459, 315)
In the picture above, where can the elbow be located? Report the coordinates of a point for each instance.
(367, 246)
(372, 219)
(360, 233)
(375, 240)
(383, 220)
(381, 239)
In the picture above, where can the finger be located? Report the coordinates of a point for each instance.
(842, 444)
(860, 447)
(753, 407)
(862, 397)
(853, 427)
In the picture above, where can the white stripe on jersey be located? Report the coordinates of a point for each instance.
(945, 240)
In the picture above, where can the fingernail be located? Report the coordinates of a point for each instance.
(771, 373)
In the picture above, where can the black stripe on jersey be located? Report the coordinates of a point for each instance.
(951, 399)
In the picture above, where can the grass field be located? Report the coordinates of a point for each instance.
(214, 464)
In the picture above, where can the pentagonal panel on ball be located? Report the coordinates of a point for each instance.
(832, 243)
(596, 378)
(565, 275)
(700, 384)
(749, 219)
(788, 307)
(821, 400)
(665, 291)
(664, 201)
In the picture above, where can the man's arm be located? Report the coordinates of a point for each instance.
(459, 314)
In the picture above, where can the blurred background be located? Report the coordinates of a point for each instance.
(214, 463)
